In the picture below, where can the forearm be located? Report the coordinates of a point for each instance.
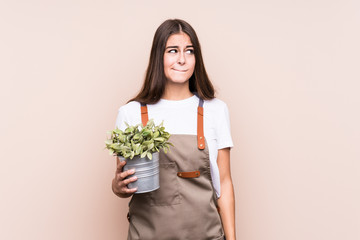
(227, 208)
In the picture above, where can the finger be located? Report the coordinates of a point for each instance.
(123, 188)
(120, 165)
(130, 190)
(124, 174)
(129, 180)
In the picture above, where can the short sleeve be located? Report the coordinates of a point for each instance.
(223, 133)
(121, 119)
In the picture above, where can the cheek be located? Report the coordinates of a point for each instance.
(168, 62)
(193, 63)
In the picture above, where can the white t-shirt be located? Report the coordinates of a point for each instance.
(180, 117)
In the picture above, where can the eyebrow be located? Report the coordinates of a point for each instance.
(188, 46)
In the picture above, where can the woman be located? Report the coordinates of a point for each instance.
(177, 90)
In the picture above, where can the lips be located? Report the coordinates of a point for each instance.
(178, 70)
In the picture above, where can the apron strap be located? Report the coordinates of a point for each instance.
(200, 124)
(144, 114)
(200, 121)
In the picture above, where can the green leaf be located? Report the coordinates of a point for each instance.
(145, 143)
(151, 146)
(129, 130)
(143, 154)
(159, 139)
(136, 136)
(123, 153)
(137, 151)
(115, 146)
(149, 155)
(117, 131)
(156, 134)
(146, 133)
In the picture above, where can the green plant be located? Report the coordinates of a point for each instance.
(138, 141)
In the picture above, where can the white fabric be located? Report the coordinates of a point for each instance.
(180, 117)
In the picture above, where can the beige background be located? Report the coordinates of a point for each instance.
(288, 70)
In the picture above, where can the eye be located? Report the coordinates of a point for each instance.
(172, 51)
(190, 51)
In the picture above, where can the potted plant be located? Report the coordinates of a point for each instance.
(139, 146)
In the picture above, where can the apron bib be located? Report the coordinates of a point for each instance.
(185, 205)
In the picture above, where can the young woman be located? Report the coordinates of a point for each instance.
(196, 198)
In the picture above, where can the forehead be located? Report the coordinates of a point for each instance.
(178, 39)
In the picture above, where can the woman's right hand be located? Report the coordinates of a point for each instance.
(119, 183)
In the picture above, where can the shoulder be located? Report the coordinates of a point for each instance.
(130, 109)
(216, 111)
(130, 106)
(129, 113)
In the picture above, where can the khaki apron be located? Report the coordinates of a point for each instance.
(185, 205)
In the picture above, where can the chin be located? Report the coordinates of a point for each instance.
(178, 81)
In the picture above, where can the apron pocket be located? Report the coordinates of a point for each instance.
(168, 193)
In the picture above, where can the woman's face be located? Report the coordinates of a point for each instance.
(179, 58)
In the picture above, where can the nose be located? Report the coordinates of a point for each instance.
(181, 59)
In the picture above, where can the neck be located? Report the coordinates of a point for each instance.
(175, 91)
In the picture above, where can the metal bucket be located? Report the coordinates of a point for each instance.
(146, 171)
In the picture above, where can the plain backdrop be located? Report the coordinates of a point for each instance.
(288, 70)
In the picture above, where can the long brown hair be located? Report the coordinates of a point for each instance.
(155, 80)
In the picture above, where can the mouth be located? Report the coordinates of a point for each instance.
(178, 70)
